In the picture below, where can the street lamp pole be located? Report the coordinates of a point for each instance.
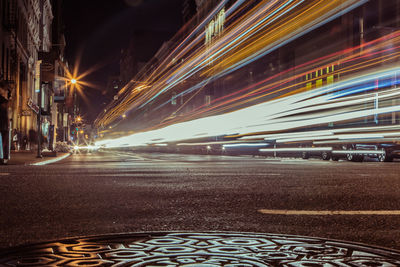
(73, 82)
(39, 118)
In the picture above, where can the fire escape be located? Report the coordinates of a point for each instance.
(10, 24)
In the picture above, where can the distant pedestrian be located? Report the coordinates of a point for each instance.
(15, 140)
(32, 138)
(25, 143)
(4, 129)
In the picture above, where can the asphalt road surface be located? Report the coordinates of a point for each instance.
(117, 192)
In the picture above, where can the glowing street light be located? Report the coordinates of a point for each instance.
(73, 81)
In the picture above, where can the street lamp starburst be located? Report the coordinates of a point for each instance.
(74, 81)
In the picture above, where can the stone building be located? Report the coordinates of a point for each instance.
(25, 42)
(20, 42)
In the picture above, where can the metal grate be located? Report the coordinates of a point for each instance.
(198, 249)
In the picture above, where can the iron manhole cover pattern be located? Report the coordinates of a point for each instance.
(198, 249)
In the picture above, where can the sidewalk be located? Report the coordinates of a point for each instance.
(29, 158)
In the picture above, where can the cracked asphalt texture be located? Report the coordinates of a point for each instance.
(116, 192)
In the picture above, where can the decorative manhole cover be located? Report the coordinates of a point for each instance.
(198, 249)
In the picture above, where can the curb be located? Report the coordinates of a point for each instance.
(50, 161)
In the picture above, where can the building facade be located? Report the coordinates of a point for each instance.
(26, 59)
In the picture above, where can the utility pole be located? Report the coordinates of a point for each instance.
(39, 124)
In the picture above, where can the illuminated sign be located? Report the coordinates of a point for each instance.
(37, 76)
(33, 106)
(215, 26)
(26, 113)
(59, 87)
(65, 119)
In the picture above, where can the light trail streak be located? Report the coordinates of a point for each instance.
(255, 119)
(198, 60)
(348, 55)
(297, 149)
(268, 87)
(287, 102)
(244, 145)
(385, 130)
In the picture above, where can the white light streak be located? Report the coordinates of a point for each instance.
(296, 149)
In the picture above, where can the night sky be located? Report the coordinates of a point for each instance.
(96, 31)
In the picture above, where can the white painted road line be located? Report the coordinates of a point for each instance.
(4, 174)
(330, 212)
(137, 156)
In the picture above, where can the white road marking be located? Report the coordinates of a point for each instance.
(4, 174)
(137, 156)
(330, 212)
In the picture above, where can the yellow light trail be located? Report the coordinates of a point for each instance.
(157, 85)
(268, 24)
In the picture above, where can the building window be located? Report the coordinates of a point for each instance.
(7, 59)
(207, 100)
(2, 59)
(173, 99)
(318, 83)
(3, 13)
(329, 79)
